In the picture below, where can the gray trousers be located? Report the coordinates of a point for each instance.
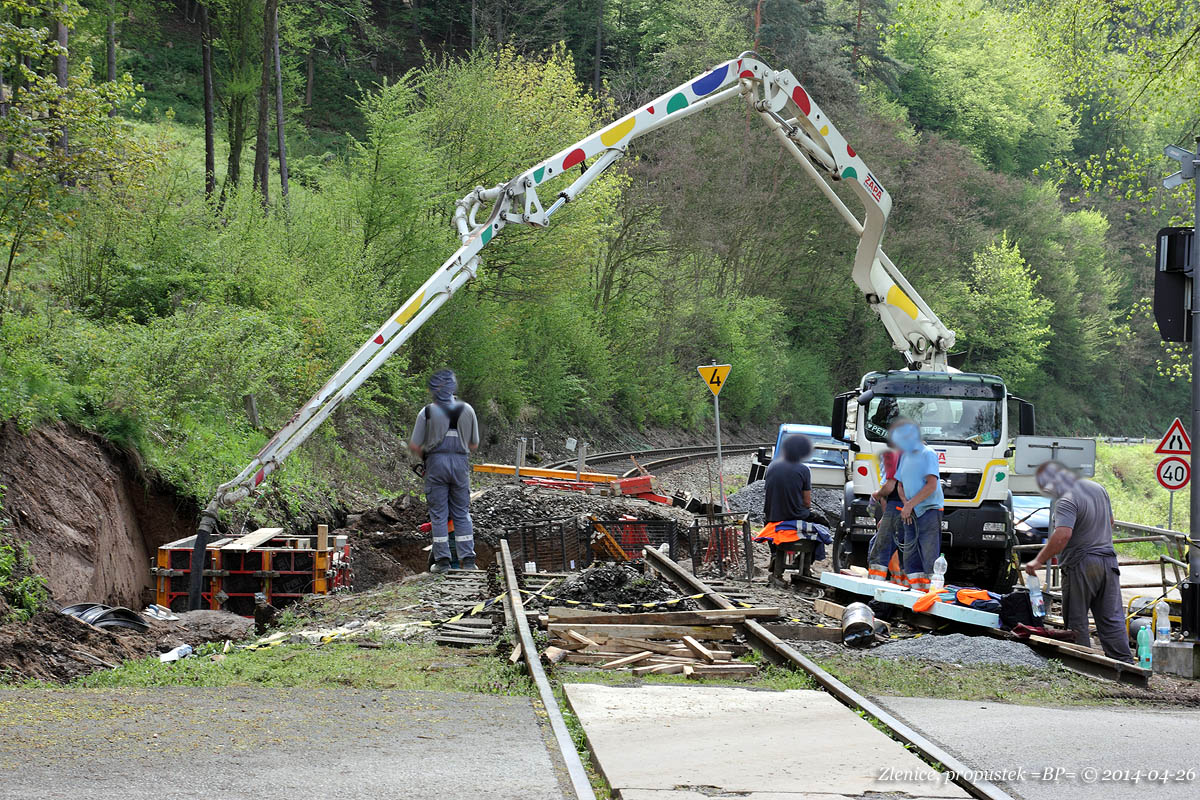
(448, 495)
(1094, 583)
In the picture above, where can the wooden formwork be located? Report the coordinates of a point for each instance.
(283, 568)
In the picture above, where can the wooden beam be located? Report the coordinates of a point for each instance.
(627, 660)
(575, 636)
(699, 649)
(702, 632)
(561, 614)
(553, 474)
(828, 608)
(252, 540)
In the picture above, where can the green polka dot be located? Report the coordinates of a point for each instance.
(538, 173)
(849, 172)
(999, 476)
(676, 102)
(487, 234)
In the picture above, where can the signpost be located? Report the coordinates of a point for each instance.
(1190, 591)
(714, 376)
(1173, 472)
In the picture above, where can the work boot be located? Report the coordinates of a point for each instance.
(469, 563)
(442, 565)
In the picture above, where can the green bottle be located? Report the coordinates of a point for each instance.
(1145, 654)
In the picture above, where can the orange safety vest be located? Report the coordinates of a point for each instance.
(772, 534)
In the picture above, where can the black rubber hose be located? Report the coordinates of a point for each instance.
(208, 522)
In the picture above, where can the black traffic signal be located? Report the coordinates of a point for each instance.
(1173, 284)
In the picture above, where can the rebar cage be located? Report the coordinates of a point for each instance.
(550, 544)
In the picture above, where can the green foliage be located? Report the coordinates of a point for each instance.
(970, 75)
(1004, 318)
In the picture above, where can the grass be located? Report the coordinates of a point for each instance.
(1054, 686)
(1127, 472)
(391, 666)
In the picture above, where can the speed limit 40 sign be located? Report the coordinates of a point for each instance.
(1173, 473)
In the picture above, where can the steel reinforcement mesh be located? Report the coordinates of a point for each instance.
(551, 545)
(634, 535)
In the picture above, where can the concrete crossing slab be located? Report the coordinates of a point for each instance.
(1042, 753)
(663, 742)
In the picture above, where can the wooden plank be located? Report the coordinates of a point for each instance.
(575, 636)
(702, 632)
(567, 644)
(322, 538)
(726, 670)
(658, 669)
(515, 655)
(538, 472)
(555, 654)
(689, 671)
(627, 660)
(718, 655)
(644, 644)
(713, 616)
(828, 608)
(699, 649)
(253, 540)
(805, 633)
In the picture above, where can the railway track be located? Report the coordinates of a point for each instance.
(661, 457)
(767, 644)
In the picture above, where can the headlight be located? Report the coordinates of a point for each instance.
(994, 527)
(870, 521)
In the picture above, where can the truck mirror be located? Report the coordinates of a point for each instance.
(1026, 425)
(837, 424)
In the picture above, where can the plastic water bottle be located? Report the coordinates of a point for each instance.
(1162, 622)
(939, 573)
(1145, 652)
(183, 651)
(1034, 584)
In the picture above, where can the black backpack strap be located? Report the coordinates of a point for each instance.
(454, 413)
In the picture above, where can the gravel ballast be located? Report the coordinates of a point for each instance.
(958, 648)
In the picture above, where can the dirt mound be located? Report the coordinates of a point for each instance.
(92, 524)
(57, 648)
(616, 584)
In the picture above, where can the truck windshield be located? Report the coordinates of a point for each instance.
(941, 419)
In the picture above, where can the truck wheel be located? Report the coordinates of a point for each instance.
(843, 550)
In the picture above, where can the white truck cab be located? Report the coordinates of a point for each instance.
(965, 419)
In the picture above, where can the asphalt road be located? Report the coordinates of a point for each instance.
(264, 743)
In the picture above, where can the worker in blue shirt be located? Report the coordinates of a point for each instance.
(921, 514)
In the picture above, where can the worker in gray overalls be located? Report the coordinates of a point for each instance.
(446, 431)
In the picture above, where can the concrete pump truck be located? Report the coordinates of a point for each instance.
(966, 414)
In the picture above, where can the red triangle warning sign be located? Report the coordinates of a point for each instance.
(1176, 441)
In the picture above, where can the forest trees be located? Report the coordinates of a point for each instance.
(43, 107)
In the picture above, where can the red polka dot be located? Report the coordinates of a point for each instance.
(800, 98)
(850, 150)
(258, 477)
(576, 156)
(862, 470)
(378, 339)
(746, 74)
(650, 109)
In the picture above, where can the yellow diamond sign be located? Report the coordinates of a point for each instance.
(714, 375)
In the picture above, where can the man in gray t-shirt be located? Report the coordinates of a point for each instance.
(445, 432)
(1083, 535)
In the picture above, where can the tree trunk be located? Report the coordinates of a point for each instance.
(110, 43)
(599, 42)
(309, 78)
(206, 77)
(262, 142)
(60, 67)
(279, 130)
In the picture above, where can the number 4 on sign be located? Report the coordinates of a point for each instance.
(714, 376)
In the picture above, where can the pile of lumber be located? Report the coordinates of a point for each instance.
(697, 644)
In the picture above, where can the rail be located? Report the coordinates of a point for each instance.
(692, 451)
(533, 665)
(779, 652)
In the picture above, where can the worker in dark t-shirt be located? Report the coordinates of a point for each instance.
(789, 482)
